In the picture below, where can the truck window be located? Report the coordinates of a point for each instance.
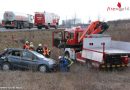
(39, 15)
(71, 35)
(79, 35)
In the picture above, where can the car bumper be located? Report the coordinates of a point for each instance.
(54, 67)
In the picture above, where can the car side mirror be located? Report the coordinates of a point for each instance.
(3, 57)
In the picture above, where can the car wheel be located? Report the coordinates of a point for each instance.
(6, 66)
(43, 68)
(0, 67)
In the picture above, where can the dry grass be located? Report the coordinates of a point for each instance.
(119, 30)
(80, 77)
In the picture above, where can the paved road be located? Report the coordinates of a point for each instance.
(32, 29)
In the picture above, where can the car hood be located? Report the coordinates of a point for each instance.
(49, 60)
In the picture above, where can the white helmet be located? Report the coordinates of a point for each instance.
(31, 45)
(66, 57)
(40, 44)
(31, 42)
(27, 42)
(59, 57)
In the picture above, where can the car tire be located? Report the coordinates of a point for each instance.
(0, 67)
(6, 66)
(42, 68)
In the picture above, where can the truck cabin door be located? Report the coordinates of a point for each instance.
(39, 19)
(57, 38)
(72, 38)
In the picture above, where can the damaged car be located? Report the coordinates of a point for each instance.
(26, 59)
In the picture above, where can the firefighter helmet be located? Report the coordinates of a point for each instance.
(40, 44)
(27, 42)
(31, 45)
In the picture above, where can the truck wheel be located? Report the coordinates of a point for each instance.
(29, 27)
(11, 27)
(6, 27)
(18, 26)
(39, 27)
(22, 26)
(47, 27)
(6, 66)
(42, 68)
(56, 27)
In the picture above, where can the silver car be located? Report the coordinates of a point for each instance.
(22, 58)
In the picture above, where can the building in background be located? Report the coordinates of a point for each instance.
(1, 17)
(71, 22)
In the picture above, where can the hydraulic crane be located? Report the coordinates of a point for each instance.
(73, 38)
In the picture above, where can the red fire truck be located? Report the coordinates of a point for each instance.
(92, 47)
(46, 20)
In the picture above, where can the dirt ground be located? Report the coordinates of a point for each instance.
(80, 77)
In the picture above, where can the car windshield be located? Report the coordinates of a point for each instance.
(37, 54)
(3, 52)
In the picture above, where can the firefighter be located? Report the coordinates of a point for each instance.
(40, 49)
(31, 47)
(31, 43)
(26, 45)
(63, 64)
(70, 62)
(46, 51)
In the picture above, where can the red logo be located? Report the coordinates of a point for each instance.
(118, 8)
(119, 4)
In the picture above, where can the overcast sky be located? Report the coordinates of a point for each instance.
(84, 9)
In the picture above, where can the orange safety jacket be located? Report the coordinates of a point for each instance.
(26, 46)
(45, 51)
(32, 49)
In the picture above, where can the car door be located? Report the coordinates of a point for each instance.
(14, 58)
(28, 60)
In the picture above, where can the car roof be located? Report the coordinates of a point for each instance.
(20, 49)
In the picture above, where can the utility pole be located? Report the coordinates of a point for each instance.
(66, 22)
(99, 17)
(89, 20)
(75, 19)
